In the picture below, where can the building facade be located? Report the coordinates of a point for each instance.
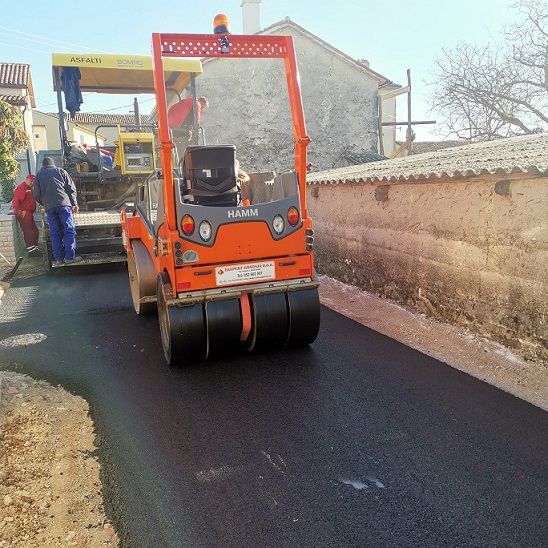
(16, 89)
(249, 106)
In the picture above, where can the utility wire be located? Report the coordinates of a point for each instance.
(26, 49)
(118, 108)
(57, 43)
(44, 40)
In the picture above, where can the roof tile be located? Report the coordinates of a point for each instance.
(95, 118)
(15, 100)
(524, 154)
(14, 75)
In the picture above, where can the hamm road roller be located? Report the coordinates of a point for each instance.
(222, 275)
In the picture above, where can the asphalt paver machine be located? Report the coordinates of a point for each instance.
(107, 176)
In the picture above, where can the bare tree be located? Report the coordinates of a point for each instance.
(486, 92)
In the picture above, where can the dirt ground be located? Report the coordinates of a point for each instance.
(50, 489)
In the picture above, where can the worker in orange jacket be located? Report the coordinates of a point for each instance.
(24, 206)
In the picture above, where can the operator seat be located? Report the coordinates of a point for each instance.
(209, 175)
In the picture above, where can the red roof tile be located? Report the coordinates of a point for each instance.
(14, 75)
(15, 100)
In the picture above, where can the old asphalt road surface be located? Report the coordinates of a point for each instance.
(356, 441)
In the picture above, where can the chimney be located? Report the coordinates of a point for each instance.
(251, 16)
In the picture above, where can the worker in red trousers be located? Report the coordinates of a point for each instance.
(24, 206)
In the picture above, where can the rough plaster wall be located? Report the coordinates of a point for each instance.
(249, 107)
(340, 104)
(456, 251)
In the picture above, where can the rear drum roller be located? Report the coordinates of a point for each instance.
(142, 278)
(182, 328)
(224, 326)
(304, 316)
(270, 322)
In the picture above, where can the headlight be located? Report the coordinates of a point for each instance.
(205, 231)
(278, 224)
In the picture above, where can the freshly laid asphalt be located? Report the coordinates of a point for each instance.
(356, 441)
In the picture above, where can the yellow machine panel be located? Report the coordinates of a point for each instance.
(135, 153)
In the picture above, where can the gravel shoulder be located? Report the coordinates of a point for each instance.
(50, 488)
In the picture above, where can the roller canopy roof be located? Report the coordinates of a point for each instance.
(112, 73)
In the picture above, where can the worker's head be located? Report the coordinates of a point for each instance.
(47, 161)
(203, 101)
(29, 179)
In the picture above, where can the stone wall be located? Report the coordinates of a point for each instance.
(12, 244)
(466, 253)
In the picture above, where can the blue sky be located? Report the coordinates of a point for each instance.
(394, 36)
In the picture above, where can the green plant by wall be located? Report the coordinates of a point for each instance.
(14, 140)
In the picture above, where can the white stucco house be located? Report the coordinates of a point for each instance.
(45, 132)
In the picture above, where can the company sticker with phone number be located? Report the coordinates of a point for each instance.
(232, 274)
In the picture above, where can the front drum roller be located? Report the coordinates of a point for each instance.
(182, 328)
(142, 278)
(304, 316)
(270, 327)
